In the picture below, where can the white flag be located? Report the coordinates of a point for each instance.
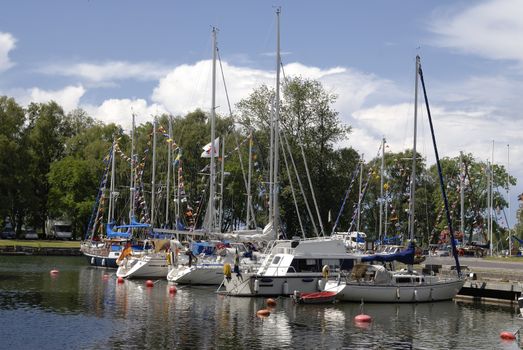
(207, 149)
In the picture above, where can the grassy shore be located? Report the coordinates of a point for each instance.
(39, 243)
(518, 259)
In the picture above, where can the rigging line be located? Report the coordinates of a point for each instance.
(442, 185)
(292, 190)
(300, 184)
(322, 231)
(363, 193)
(352, 181)
(251, 209)
(101, 189)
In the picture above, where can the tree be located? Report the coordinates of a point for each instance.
(15, 187)
(312, 127)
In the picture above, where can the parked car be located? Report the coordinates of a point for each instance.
(8, 232)
(30, 233)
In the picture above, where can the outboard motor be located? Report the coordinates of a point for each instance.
(520, 305)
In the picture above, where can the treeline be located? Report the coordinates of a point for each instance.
(52, 164)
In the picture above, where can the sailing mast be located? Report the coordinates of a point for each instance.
(168, 190)
(382, 199)
(249, 198)
(110, 219)
(213, 132)
(153, 186)
(462, 195)
(275, 204)
(132, 184)
(412, 215)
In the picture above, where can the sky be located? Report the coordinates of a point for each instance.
(113, 58)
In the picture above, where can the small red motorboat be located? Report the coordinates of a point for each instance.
(314, 298)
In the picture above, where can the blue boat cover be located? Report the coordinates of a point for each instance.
(405, 256)
(202, 247)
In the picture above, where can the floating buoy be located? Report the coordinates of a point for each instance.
(507, 335)
(172, 290)
(120, 280)
(363, 318)
(149, 283)
(263, 313)
(271, 302)
(54, 272)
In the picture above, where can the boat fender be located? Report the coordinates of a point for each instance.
(321, 284)
(263, 313)
(363, 318)
(415, 295)
(168, 258)
(103, 262)
(325, 271)
(507, 335)
(397, 293)
(149, 283)
(120, 280)
(92, 260)
(271, 302)
(172, 290)
(227, 271)
(256, 285)
(285, 288)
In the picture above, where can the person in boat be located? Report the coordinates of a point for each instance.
(191, 257)
(237, 265)
(126, 252)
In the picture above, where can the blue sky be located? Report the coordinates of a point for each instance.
(110, 56)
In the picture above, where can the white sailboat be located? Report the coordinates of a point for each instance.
(373, 283)
(151, 262)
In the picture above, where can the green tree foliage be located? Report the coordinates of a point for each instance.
(52, 163)
(15, 187)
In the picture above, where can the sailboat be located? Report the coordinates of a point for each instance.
(103, 248)
(373, 283)
(207, 269)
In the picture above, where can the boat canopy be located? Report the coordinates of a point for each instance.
(405, 256)
(112, 231)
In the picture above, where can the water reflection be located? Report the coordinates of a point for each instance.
(85, 307)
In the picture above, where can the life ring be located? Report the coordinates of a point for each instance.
(227, 272)
(325, 271)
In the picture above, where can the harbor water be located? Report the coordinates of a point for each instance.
(82, 307)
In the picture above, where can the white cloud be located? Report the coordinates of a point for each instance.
(189, 86)
(7, 43)
(108, 71)
(68, 97)
(119, 111)
(492, 29)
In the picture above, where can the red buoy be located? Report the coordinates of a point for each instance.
(271, 302)
(149, 283)
(172, 290)
(263, 313)
(120, 280)
(54, 272)
(507, 335)
(363, 318)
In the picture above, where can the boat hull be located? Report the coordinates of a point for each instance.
(204, 274)
(143, 267)
(256, 285)
(415, 293)
(108, 261)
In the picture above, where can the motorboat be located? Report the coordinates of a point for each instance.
(292, 265)
(150, 262)
(210, 258)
